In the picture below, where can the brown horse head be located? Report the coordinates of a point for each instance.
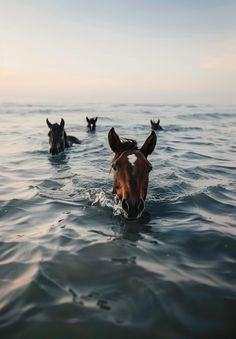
(131, 172)
(56, 137)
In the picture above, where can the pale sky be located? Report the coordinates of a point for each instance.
(157, 51)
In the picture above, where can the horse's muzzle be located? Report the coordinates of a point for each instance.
(133, 209)
(55, 149)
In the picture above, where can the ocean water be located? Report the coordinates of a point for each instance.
(72, 267)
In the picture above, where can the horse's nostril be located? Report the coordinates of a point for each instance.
(141, 205)
(125, 205)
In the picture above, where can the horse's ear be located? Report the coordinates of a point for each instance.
(87, 119)
(62, 124)
(114, 140)
(95, 120)
(151, 122)
(149, 145)
(158, 122)
(48, 123)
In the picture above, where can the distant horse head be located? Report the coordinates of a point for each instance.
(91, 126)
(56, 137)
(131, 172)
(156, 125)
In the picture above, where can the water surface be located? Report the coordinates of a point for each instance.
(72, 267)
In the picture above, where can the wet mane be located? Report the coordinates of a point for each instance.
(127, 144)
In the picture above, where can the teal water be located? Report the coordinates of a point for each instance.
(72, 267)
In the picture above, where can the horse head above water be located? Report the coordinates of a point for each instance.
(131, 172)
(91, 126)
(156, 125)
(58, 139)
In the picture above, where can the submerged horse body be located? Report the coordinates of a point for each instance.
(58, 139)
(131, 172)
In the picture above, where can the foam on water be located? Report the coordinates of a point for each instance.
(101, 198)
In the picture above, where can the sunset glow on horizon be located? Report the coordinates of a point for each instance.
(148, 51)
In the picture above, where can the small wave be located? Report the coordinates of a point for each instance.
(101, 198)
(68, 261)
(196, 156)
(206, 116)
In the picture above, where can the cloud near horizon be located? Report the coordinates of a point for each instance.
(225, 62)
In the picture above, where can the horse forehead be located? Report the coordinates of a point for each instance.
(129, 157)
(132, 158)
(136, 165)
(56, 128)
(135, 158)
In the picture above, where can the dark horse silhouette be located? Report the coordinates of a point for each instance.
(156, 125)
(131, 172)
(91, 126)
(58, 139)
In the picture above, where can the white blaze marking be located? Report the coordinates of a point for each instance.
(132, 159)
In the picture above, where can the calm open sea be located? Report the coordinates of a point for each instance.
(72, 267)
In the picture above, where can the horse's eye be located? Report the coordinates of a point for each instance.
(114, 167)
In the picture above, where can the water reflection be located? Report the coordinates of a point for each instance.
(133, 230)
(59, 160)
